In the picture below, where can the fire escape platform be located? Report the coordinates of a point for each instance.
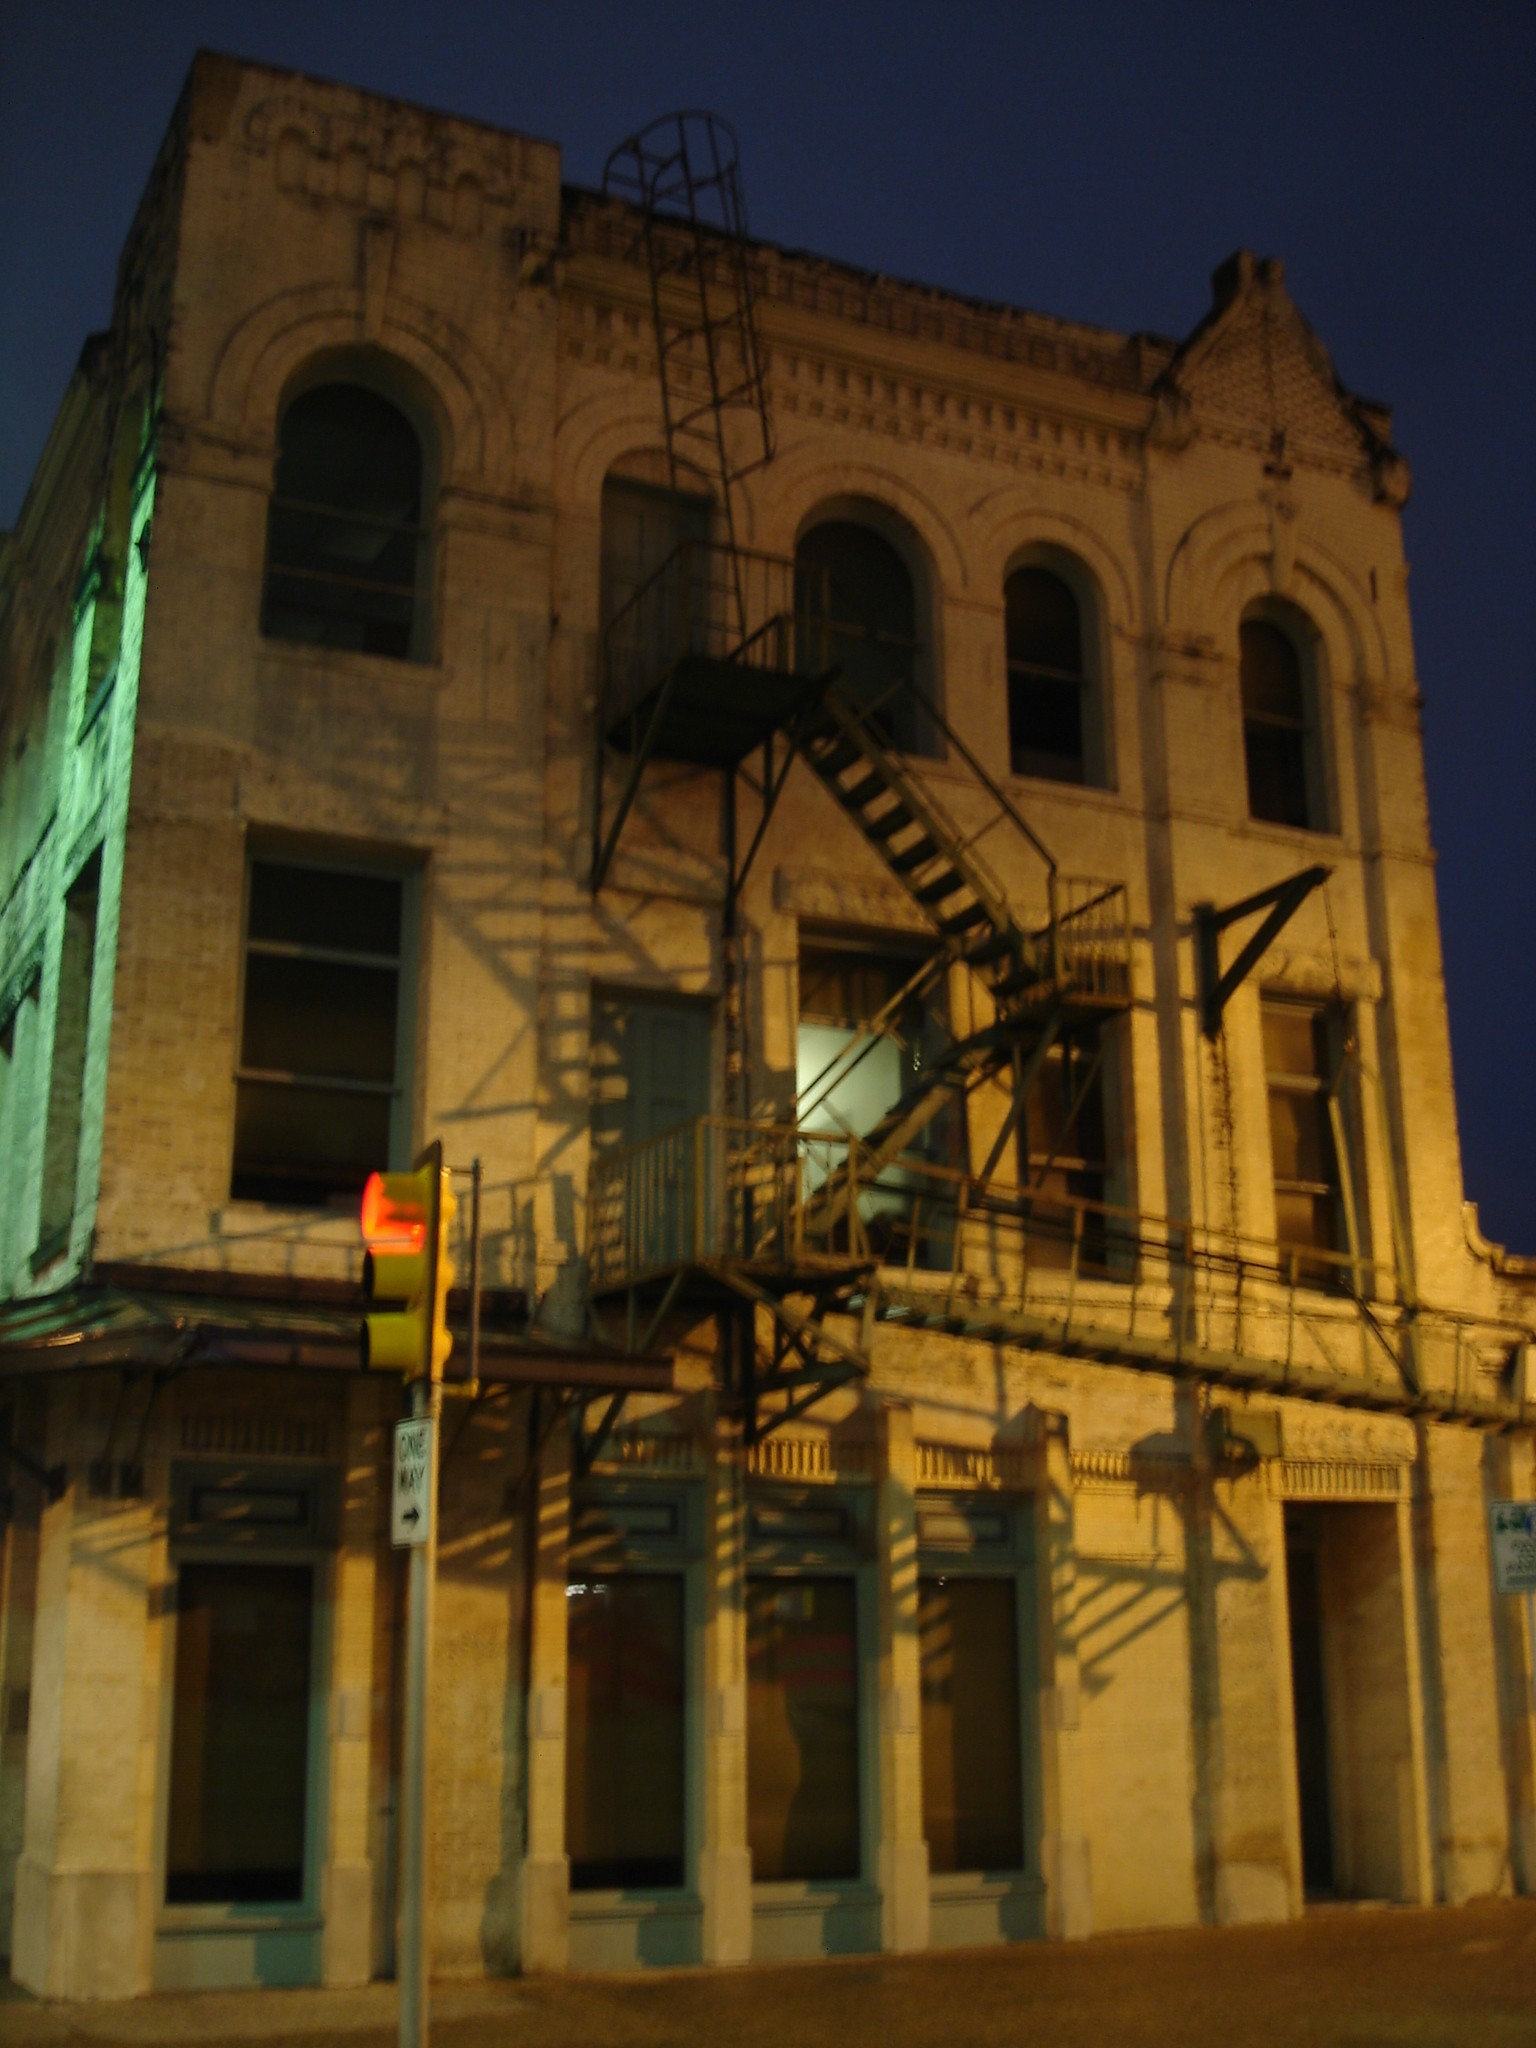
(711, 710)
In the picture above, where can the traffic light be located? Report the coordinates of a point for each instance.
(406, 1269)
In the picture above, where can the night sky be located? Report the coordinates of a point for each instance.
(1090, 160)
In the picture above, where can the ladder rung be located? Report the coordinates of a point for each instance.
(964, 920)
(998, 947)
(913, 856)
(889, 823)
(935, 892)
(840, 755)
(865, 791)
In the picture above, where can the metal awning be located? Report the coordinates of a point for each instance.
(171, 1318)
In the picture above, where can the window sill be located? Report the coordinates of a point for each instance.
(346, 665)
(230, 1917)
(660, 1904)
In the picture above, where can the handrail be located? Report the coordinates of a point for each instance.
(749, 1193)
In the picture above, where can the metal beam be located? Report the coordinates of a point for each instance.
(1282, 902)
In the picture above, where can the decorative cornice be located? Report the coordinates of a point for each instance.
(1338, 1478)
(978, 1468)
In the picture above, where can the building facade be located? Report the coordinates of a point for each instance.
(990, 1394)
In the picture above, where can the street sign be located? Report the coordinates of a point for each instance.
(1514, 1545)
(410, 1519)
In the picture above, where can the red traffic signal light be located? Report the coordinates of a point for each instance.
(406, 1268)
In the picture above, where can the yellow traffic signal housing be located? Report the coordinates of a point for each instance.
(406, 1269)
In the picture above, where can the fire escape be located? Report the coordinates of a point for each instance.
(726, 653)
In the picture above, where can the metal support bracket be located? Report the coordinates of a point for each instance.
(1283, 901)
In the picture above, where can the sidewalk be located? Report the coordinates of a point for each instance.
(1454, 1977)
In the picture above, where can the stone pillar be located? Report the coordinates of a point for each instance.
(725, 1861)
(1058, 1700)
(346, 1881)
(1246, 1695)
(1418, 1862)
(1513, 1460)
(1471, 1818)
(545, 1889)
(902, 1859)
(18, 1608)
(85, 1903)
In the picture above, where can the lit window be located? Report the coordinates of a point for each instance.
(1280, 749)
(1050, 696)
(857, 607)
(1299, 1068)
(802, 1728)
(973, 1806)
(321, 1038)
(624, 1799)
(346, 547)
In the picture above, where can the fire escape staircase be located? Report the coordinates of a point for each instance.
(724, 652)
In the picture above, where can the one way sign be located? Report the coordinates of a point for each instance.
(411, 1505)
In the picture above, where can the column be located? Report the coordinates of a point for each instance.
(902, 1865)
(1063, 1841)
(725, 1861)
(85, 1908)
(346, 1881)
(545, 1890)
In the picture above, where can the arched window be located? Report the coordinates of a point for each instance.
(857, 605)
(1052, 711)
(346, 553)
(1280, 737)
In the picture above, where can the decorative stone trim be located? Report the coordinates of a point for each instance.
(973, 1467)
(634, 1450)
(239, 1435)
(1338, 1478)
(1110, 1471)
(814, 1460)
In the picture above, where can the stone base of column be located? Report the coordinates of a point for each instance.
(83, 1933)
(1251, 1892)
(1472, 1870)
(725, 1885)
(544, 1913)
(1068, 1893)
(903, 1871)
(346, 1941)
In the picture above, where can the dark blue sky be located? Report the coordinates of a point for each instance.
(1091, 159)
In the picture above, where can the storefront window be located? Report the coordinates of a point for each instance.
(624, 1741)
(802, 1728)
(972, 1794)
(239, 1734)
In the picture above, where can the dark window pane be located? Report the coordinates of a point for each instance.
(343, 545)
(1276, 761)
(802, 1729)
(296, 1144)
(1045, 726)
(1271, 673)
(624, 1743)
(239, 1734)
(1044, 628)
(319, 1017)
(346, 913)
(973, 1809)
(1294, 1041)
(858, 615)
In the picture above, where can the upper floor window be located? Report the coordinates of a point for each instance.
(1052, 709)
(1306, 1134)
(1065, 1156)
(858, 611)
(1280, 728)
(346, 547)
(318, 1092)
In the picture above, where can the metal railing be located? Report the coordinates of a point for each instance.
(993, 1257)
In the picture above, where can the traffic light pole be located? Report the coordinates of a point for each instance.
(411, 1971)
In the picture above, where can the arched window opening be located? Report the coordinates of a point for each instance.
(345, 543)
(1280, 739)
(857, 607)
(1050, 719)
